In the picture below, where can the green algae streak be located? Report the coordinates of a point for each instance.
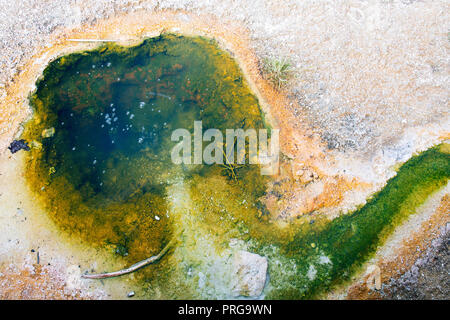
(106, 177)
(329, 254)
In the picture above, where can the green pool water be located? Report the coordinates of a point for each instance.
(105, 175)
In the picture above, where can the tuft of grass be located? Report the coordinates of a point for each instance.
(278, 71)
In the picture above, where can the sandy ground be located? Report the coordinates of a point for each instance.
(371, 89)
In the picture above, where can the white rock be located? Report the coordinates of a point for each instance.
(249, 274)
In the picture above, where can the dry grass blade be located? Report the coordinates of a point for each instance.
(278, 71)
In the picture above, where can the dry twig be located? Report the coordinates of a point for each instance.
(133, 268)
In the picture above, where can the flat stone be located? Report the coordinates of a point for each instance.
(249, 274)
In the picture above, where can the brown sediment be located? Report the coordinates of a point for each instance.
(37, 282)
(304, 191)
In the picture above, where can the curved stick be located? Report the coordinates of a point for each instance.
(133, 268)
